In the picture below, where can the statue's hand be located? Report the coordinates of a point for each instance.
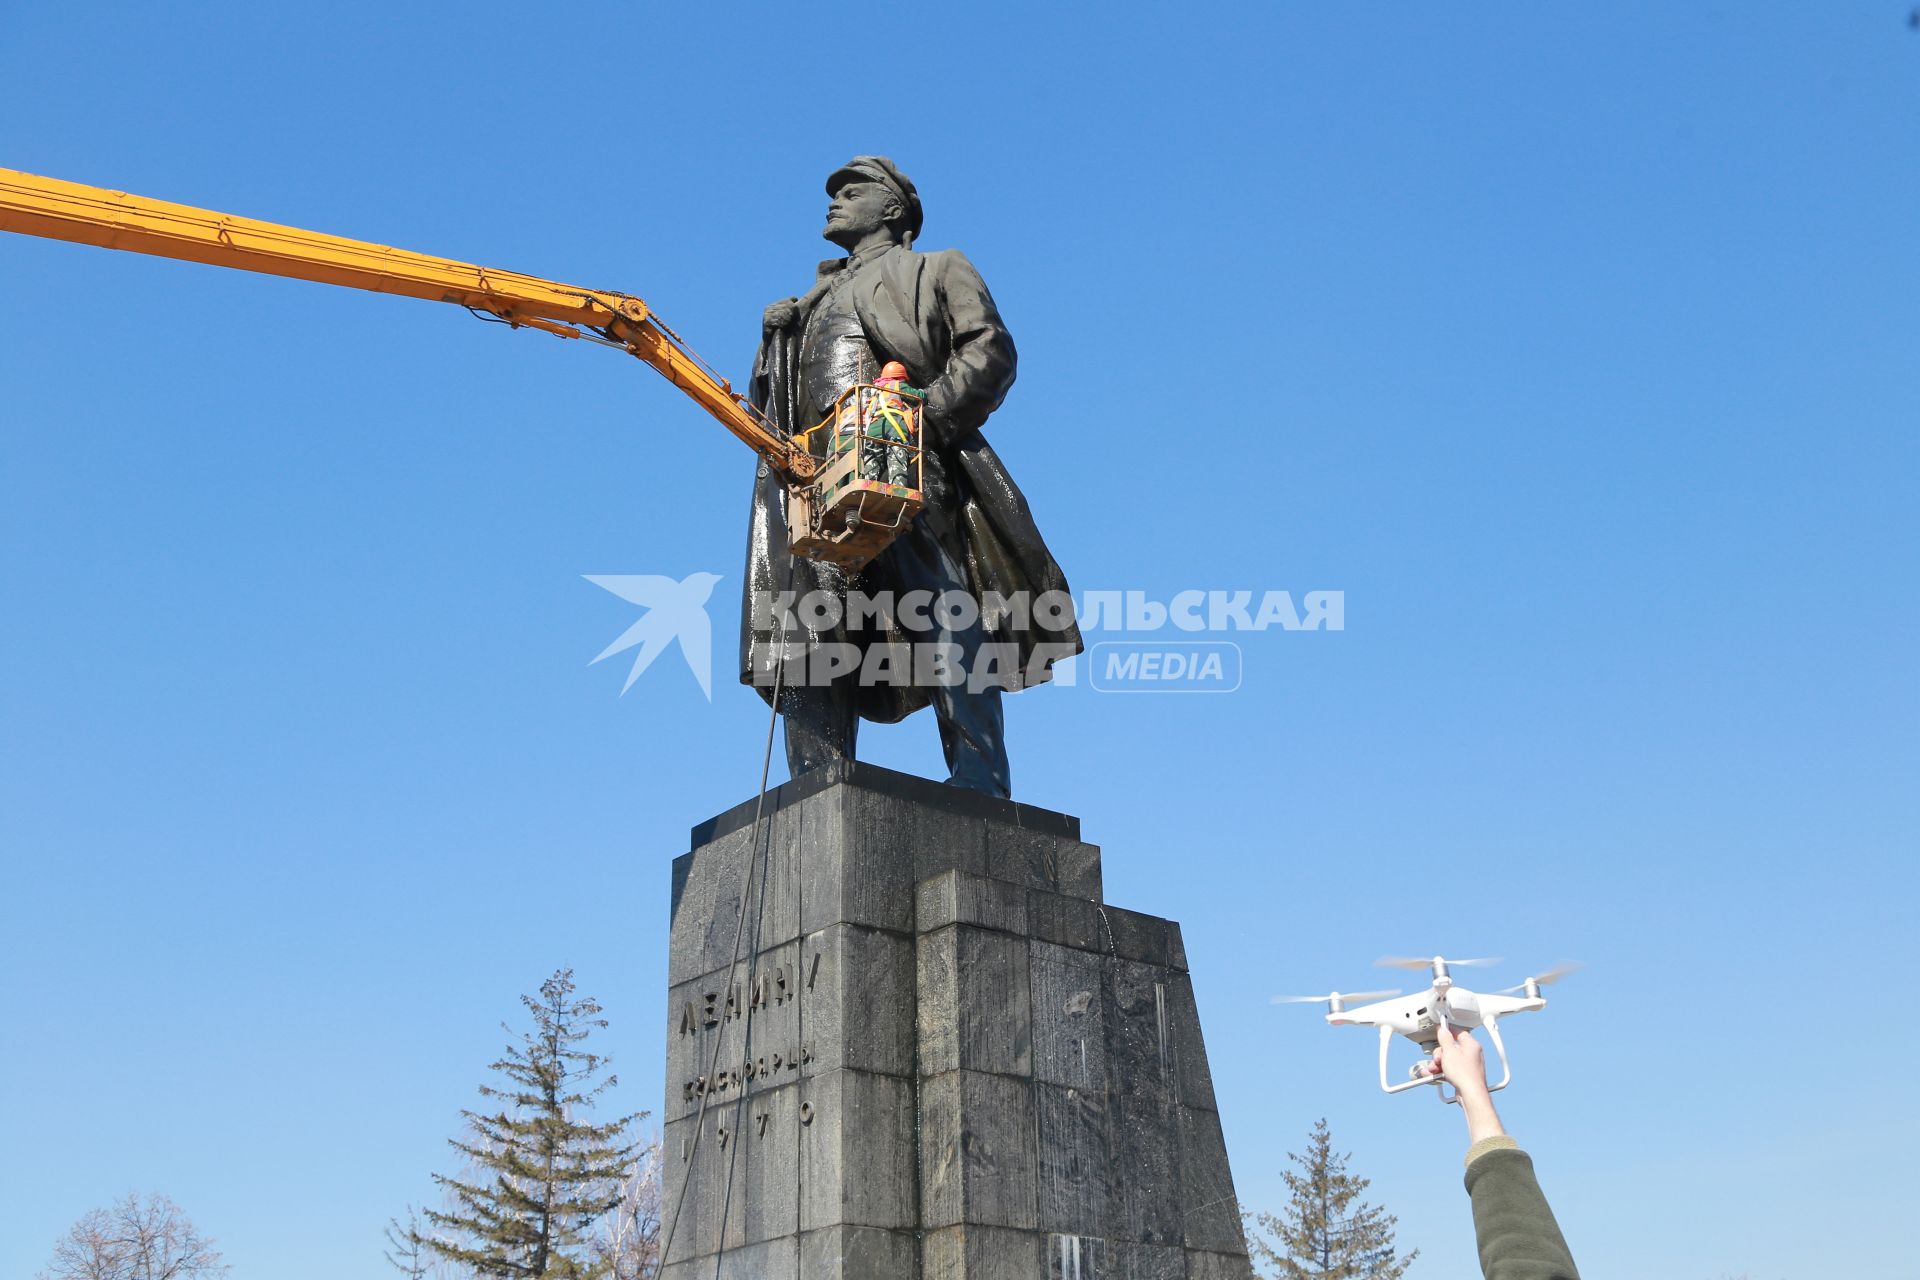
(781, 314)
(933, 420)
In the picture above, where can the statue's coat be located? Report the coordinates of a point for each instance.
(931, 312)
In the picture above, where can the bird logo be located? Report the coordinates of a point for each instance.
(674, 611)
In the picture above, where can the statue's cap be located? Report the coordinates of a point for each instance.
(885, 172)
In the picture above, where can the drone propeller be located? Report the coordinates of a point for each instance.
(1362, 996)
(1548, 978)
(1426, 962)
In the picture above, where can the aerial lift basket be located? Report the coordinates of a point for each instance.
(868, 487)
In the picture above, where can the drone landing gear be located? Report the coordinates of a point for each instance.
(1418, 1073)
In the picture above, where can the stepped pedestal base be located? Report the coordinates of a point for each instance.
(941, 1057)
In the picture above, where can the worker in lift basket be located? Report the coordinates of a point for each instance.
(887, 454)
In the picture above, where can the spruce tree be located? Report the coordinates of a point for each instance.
(1326, 1232)
(540, 1173)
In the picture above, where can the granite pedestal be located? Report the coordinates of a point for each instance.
(941, 1056)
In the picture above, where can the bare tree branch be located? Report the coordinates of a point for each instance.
(629, 1242)
(135, 1240)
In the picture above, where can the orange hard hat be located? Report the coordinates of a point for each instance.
(893, 370)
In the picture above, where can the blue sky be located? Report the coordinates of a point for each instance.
(1575, 344)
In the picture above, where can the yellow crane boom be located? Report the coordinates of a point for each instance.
(72, 211)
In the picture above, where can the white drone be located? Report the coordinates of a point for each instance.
(1417, 1016)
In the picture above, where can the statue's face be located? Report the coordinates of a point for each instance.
(858, 209)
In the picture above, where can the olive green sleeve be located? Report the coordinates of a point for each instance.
(1519, 1240)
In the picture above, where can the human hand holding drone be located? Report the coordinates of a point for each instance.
(1443, 1006)
(1459, 1059)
